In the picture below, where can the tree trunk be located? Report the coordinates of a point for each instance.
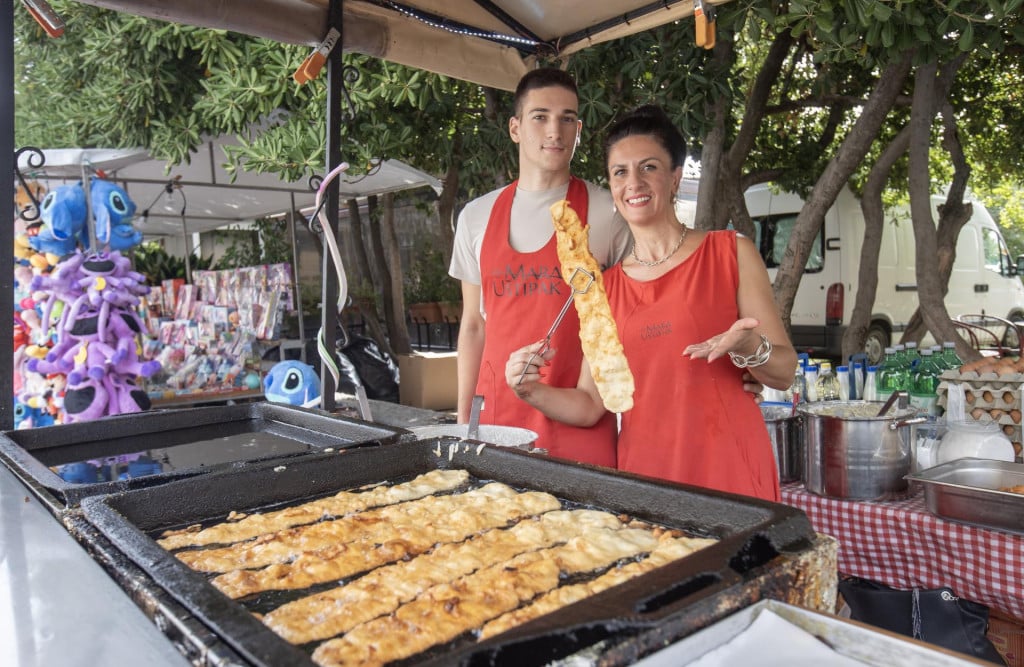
(395, 318)
(367, 306)
(850, 154)
(952, 214)
(708, 213)
(381, 263)
(446, 202)
(871, 206)
(729, 180)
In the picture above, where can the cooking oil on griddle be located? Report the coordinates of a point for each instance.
(246, 446)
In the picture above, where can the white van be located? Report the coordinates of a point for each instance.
(984, 279)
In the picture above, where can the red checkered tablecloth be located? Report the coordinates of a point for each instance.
(903, 545)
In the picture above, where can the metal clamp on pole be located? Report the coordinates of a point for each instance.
(43, 13)
(314, 62)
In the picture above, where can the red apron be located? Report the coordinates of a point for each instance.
(522, 293)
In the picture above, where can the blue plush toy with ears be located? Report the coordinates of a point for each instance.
(291, 382)
(113, 211)
(63, 212)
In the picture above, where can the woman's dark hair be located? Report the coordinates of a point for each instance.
(649, 120)
(543, 77)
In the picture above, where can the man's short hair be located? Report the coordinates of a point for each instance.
(543, 77)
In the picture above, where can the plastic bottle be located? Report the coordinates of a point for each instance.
(857, 385)
(843, 374)
(911, 355)
(797, 392)
(950, 359)
(811, 375)
(892, 375)
(827, 383)
(924, 385)
(871, 384)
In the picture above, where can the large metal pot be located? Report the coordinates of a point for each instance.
(786, 432)
(851, 453)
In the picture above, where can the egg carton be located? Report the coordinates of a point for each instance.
(1004, 399)
(1010, 380)
(993, 401)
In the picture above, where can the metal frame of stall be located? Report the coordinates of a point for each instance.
(7, 211)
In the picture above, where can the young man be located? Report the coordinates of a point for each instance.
(512, 287)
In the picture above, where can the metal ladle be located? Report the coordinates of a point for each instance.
(561, 314)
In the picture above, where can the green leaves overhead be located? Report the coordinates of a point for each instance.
(121, 80)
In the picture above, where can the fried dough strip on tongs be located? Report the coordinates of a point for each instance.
(585, 283)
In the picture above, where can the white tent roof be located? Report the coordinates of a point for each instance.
(210, 198)
(491, 42)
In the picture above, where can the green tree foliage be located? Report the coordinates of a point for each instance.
(266, 242)
(153, 261)
(778, 99)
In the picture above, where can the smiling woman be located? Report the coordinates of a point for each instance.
(693, 309)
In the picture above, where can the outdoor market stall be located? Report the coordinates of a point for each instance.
(763, 550)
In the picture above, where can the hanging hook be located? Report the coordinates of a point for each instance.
(36, 159)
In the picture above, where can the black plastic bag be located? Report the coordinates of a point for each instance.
(936, 616)
(363, 361)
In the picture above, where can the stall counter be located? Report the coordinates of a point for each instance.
(57, 606)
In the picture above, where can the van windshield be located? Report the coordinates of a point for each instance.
(772, 237)
(997, 255)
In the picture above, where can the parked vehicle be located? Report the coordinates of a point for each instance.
(984, 279)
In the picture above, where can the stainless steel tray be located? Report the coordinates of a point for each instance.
(967, 490)
(847, 639)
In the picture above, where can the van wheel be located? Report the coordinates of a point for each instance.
(875, 343)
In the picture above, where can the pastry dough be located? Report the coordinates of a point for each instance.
(598, 333)
(345, 502)
(450, 519)
(323, 615)
(418, 574)
(448, 610)
(669, 549)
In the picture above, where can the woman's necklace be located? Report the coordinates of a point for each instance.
(664, 259)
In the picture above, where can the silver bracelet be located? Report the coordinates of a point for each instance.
(758, 358)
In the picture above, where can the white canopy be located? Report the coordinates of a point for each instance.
(205, 189)
(490, 42)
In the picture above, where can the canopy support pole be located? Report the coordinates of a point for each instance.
(7, 208)
(335, 100)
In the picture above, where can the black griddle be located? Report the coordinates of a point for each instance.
(288, 431)
(614, 627)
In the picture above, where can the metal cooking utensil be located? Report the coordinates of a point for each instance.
(904, 399)
(589, 280)
(474, 417)
(364, 404)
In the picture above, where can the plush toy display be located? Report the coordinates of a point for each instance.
(291, 382)
(77, 323)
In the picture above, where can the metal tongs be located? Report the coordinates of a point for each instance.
(589, 280)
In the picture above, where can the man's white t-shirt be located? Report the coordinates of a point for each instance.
(531, 228)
